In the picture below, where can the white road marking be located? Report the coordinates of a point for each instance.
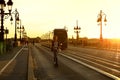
(25, 48)
(98, 70)
(10, 61)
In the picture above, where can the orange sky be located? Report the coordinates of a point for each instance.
(42, 16)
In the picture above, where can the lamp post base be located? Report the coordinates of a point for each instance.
(2, 47)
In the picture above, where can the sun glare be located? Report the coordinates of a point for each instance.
(43, 16)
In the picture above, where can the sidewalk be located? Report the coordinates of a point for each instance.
(5, 58)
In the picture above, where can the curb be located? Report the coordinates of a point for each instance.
(30, 66)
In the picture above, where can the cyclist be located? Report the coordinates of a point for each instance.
(55, 45)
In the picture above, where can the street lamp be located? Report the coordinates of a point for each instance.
(2, 5)
(77, 31)
(24, 35)
(99, 20)
(20, 29)
(16, 22)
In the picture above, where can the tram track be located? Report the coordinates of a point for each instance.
(110, 67)
(112, 57)
(96, 59)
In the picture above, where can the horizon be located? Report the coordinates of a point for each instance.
(43, 16)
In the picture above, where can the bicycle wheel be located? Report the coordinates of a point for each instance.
(56, 62)
(55, 59)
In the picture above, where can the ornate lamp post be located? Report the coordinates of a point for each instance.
(100, 20)
(24, 36)
(20, 29)
(77, 31)
(2, 5)
(16, 22)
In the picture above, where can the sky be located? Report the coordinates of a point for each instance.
(41, 16)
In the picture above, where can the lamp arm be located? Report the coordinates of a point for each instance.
(15, 12)
(6, 15)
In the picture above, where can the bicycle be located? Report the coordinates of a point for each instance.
(55, 57)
